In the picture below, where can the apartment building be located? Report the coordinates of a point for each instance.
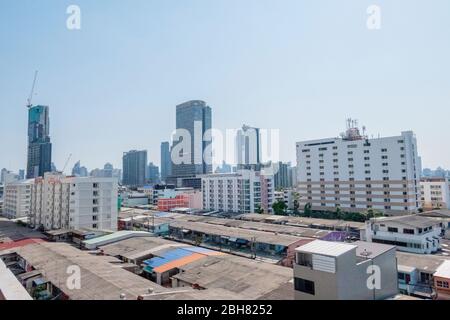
(435, 193)
(326, 270)
(60, 202)
(411, 233)
(242, 192)
(356, 173)
(17, 199)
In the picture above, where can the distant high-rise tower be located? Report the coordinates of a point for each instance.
(248, 148)
(152, 173)
(108, 170)
(39, 145)
(166, 163)
(191, 115)
(134, 168)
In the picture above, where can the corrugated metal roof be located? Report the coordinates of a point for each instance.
(327, 248)
(179, 262)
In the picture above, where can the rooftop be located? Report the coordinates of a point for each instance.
(441, 213)
(443, 270)
(140, 247)
(10, 287)
(371, 249)
(239, 233)
(245, 278)
(101, 280)
(409, 220)
(423, 262)
(327, 248)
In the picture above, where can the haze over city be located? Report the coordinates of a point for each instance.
(303, 67)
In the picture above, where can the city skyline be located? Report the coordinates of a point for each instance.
(235, 62)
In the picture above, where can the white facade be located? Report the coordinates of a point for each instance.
(241, 192)
(435, 193)
(412, 233)
(60, 202)
(357, 173)
(17, 199)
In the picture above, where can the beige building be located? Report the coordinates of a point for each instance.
(357, 173)
(435, 193)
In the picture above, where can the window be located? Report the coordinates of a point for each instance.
(95, 209)
(94, 218)
(304, 286)
(408, 231)
(442, 284)
(392, 229)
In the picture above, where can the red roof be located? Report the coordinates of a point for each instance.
(19, 243)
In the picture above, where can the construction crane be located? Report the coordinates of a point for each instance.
(30, 98)
(67, 162)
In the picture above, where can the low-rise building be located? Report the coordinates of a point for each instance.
(411, 233)
(442, 281)
(416, 274)
(341, 271)
(17, 199)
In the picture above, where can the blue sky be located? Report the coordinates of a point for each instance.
(302, 66)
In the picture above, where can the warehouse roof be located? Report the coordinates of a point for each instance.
(238, 233)
(423, 262)
(409, 220)
(100, 280)
(245, 278)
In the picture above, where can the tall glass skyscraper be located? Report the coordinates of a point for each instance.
(134, 168)
(39, 157)
(166, 162)
(189, 115)
(248, 148)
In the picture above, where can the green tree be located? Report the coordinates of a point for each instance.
(296, 207)
(307, 210)
(259, 210)
(279, 208)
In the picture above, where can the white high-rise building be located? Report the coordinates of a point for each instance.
(242, 192)
(435, 193)
(356, 173)
(17, 199)
(60, 202)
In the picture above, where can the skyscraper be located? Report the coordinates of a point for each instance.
(39, 146)
(108, 170)
(248, 148)
(152, 173)
(283, 175)
(134, 168)
(195, 117)
(166, 163)
(79, 171)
